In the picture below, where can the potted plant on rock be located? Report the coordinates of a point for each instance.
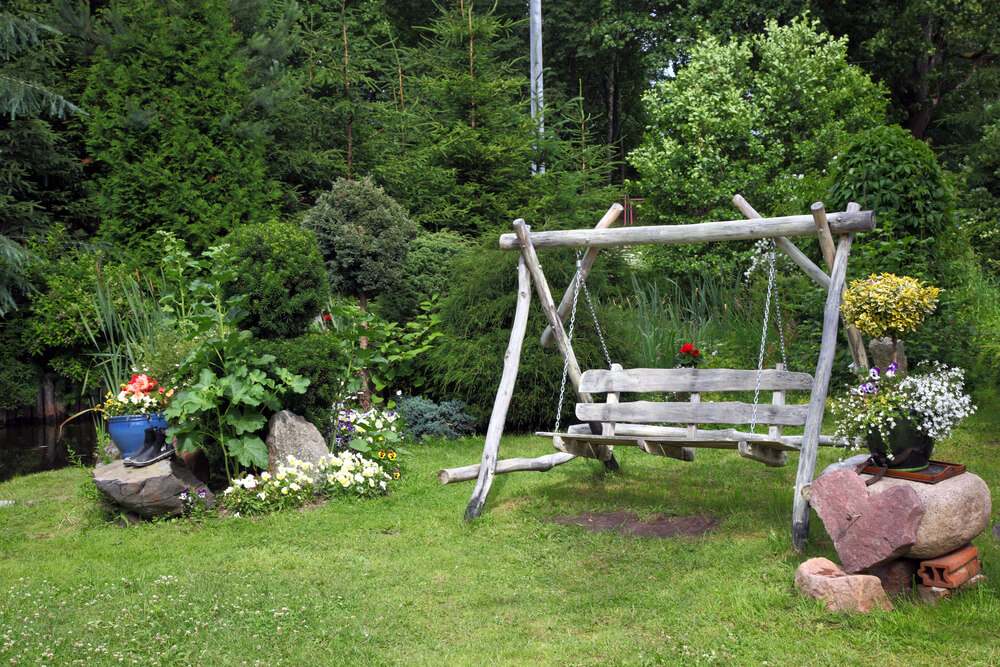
(899, 417)
(137, 406)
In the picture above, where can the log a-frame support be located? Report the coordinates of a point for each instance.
(820, 224)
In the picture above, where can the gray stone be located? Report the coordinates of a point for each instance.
(290, 434)
(151, 491)
(851, 463)
(866, 530)
(955, 511)
(881, 351)
(822, 579)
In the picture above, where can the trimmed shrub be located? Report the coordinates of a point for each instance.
(426, 419)
(280, 270)
(888, 171)
(363, 236)
(427, 272)
(320, 358)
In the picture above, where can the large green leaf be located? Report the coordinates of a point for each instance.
(248, 450)
(245, 421)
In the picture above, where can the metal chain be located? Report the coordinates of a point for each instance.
(569, 338)
(763, 336)
(593, 314)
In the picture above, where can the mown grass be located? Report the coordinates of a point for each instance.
(402, 580)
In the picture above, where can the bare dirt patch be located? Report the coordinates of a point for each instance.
(628, 523)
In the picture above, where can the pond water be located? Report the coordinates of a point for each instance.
(27, 448)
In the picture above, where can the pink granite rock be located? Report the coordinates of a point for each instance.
(866, 530)
(822, 579)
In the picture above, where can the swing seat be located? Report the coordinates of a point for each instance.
(642, 423)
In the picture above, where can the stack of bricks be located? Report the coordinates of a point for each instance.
(941, 577)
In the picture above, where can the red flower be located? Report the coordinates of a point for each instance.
(696, 352)
(327, 317)
(687, 348)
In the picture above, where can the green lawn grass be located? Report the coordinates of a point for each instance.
(402, 580)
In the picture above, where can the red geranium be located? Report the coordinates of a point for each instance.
(327, 317)
(689, 348)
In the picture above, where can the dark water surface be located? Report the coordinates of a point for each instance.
(27, 448)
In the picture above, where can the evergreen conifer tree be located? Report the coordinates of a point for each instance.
(167, 97)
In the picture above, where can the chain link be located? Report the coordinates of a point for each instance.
(569, 338)
(597, 324)
(771, 272)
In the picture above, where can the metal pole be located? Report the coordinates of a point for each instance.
(537, 95)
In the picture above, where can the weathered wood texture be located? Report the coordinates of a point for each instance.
(817, 399)
(640, 380)
(511, 361)
(859, 353)
(586, 263)
(523, 232)
(769, 456)
(540, 464)
(705, 438)
(786, 246)
(691, 413)
(823, 232)
(584, 448)
(672, 451)
(703, 232)
(681, 432)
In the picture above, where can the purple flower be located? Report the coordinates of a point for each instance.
(184, 495)
(874, 373)
(202, 493)
(893, 366)
(871, 387)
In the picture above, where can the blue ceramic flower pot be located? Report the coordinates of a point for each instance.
(128, 432)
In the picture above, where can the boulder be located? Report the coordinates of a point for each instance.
(866, 530)
(955, 511)
(822, 579)
(151, 491)
(290, 434)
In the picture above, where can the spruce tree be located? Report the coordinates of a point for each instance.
(167, 98)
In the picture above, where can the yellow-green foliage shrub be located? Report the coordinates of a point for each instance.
(888, 305)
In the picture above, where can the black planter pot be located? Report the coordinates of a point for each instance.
(911, 448)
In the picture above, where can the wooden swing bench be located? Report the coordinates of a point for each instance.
(674, 428)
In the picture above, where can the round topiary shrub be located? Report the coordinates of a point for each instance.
(427, 272)
(363, 235)
(280, 270)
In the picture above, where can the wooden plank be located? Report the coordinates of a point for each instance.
(642, 380)
(702, 232)
(693, 428)
(817, 400)
(586, 264)
(786, 246)
(511, 361)
(612, 397)
(586, 448)
(672, 451)
(679, 432)
(769, 456)
(470, 472)
(706, 439)
(689, 413)
(858, 352)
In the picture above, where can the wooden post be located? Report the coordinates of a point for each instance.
(854, 339)
(585, 265)
(817, 399)
(511, 361)
(523, 232)
(540, 464)
(786, 245)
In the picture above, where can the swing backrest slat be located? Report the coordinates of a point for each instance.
(644, 380)
(645, 412)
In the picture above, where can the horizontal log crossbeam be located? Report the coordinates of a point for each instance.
(702, 232)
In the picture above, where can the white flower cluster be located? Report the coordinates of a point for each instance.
(297, 481)
(760, 261)
(351, 471)
(938, 399)
(142, 404)
(373, 429)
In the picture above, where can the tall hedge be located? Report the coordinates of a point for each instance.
(166, 97)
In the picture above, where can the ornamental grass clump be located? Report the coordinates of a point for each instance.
(885, 304)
